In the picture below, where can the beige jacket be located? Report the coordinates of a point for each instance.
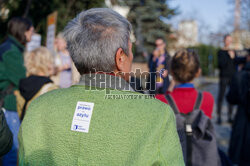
(21, 101)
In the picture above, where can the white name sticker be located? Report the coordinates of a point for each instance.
(82, 117)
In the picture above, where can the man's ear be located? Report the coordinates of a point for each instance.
(198, 73)
(119, 59)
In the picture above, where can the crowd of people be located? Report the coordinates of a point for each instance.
(54, 110)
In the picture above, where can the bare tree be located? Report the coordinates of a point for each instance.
(245, 14)
(27, 8)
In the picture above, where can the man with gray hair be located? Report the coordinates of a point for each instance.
(100, 121)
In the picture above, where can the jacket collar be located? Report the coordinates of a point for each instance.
(17, 43)
(29, 86)
(247, 66)
(102, 80)
(185, 85)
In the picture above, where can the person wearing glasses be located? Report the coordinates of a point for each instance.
(158, 68)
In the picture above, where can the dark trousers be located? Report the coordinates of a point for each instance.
(223, 84)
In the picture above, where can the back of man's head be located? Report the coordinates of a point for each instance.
(93, 38)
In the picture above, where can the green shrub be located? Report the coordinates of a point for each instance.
(208, 58)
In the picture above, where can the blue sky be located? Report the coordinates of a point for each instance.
(213, 13)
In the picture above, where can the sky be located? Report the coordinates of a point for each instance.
(213, 13)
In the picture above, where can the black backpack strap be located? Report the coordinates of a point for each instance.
(172, 104)
(198, 101)
(189, 137)
(23, 110)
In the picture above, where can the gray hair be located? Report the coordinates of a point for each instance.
(93, 38)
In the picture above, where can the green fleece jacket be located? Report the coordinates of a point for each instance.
(11, 69)
(122, 131)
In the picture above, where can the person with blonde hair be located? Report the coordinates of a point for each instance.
(39, 66)
(66, 72)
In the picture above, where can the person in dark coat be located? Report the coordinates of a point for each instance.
(239, 94)
(227, 67)
(158, 68)
(6, 139)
